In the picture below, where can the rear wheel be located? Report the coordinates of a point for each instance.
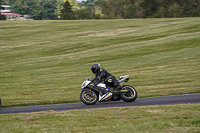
(130, 95)
(90, 98)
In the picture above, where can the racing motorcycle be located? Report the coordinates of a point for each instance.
(89, 95)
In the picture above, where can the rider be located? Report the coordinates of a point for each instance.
(103, 76)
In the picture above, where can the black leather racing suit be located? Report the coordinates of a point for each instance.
(104, 76)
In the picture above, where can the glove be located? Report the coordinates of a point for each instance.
(97, 79)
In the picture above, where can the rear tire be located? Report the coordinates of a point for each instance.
(89, 99)
(129, 96)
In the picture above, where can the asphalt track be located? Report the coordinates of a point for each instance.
(165, 100)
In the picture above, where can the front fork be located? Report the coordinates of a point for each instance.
(88, 91)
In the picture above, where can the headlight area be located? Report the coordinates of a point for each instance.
(83, 85)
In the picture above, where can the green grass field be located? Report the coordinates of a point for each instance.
(45, 62)
(154, 119)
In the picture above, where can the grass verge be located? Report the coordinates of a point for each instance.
(151, 119)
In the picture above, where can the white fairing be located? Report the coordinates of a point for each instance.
(122, 79)
(102, 85)
(85, 83)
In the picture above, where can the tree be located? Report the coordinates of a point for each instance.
(66, 12)
(38, 12)
(190, 7)
(23, 6)
(113, 8)
(83, 13)
(74, 4)
(88, 7)
(150, 7)
(50, 7)
(130, 11)
(59, 6)
(104, 7)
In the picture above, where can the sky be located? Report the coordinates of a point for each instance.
(80, 0)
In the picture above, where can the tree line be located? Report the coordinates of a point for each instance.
(105, 9)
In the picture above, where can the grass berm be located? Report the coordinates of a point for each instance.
(45, 62)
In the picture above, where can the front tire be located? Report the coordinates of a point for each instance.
(88, 99)
(129, 96)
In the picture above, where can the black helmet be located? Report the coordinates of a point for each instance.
(95, 68)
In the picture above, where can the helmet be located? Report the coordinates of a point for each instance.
(95, 68)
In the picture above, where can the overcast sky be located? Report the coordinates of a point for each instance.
(80, 0)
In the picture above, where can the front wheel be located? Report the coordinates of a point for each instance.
(88, 99)
(130, 95)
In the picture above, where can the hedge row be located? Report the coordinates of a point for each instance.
(2, 17)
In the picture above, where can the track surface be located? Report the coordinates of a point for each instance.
(165, 100)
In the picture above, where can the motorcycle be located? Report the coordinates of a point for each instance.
(89, 95)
